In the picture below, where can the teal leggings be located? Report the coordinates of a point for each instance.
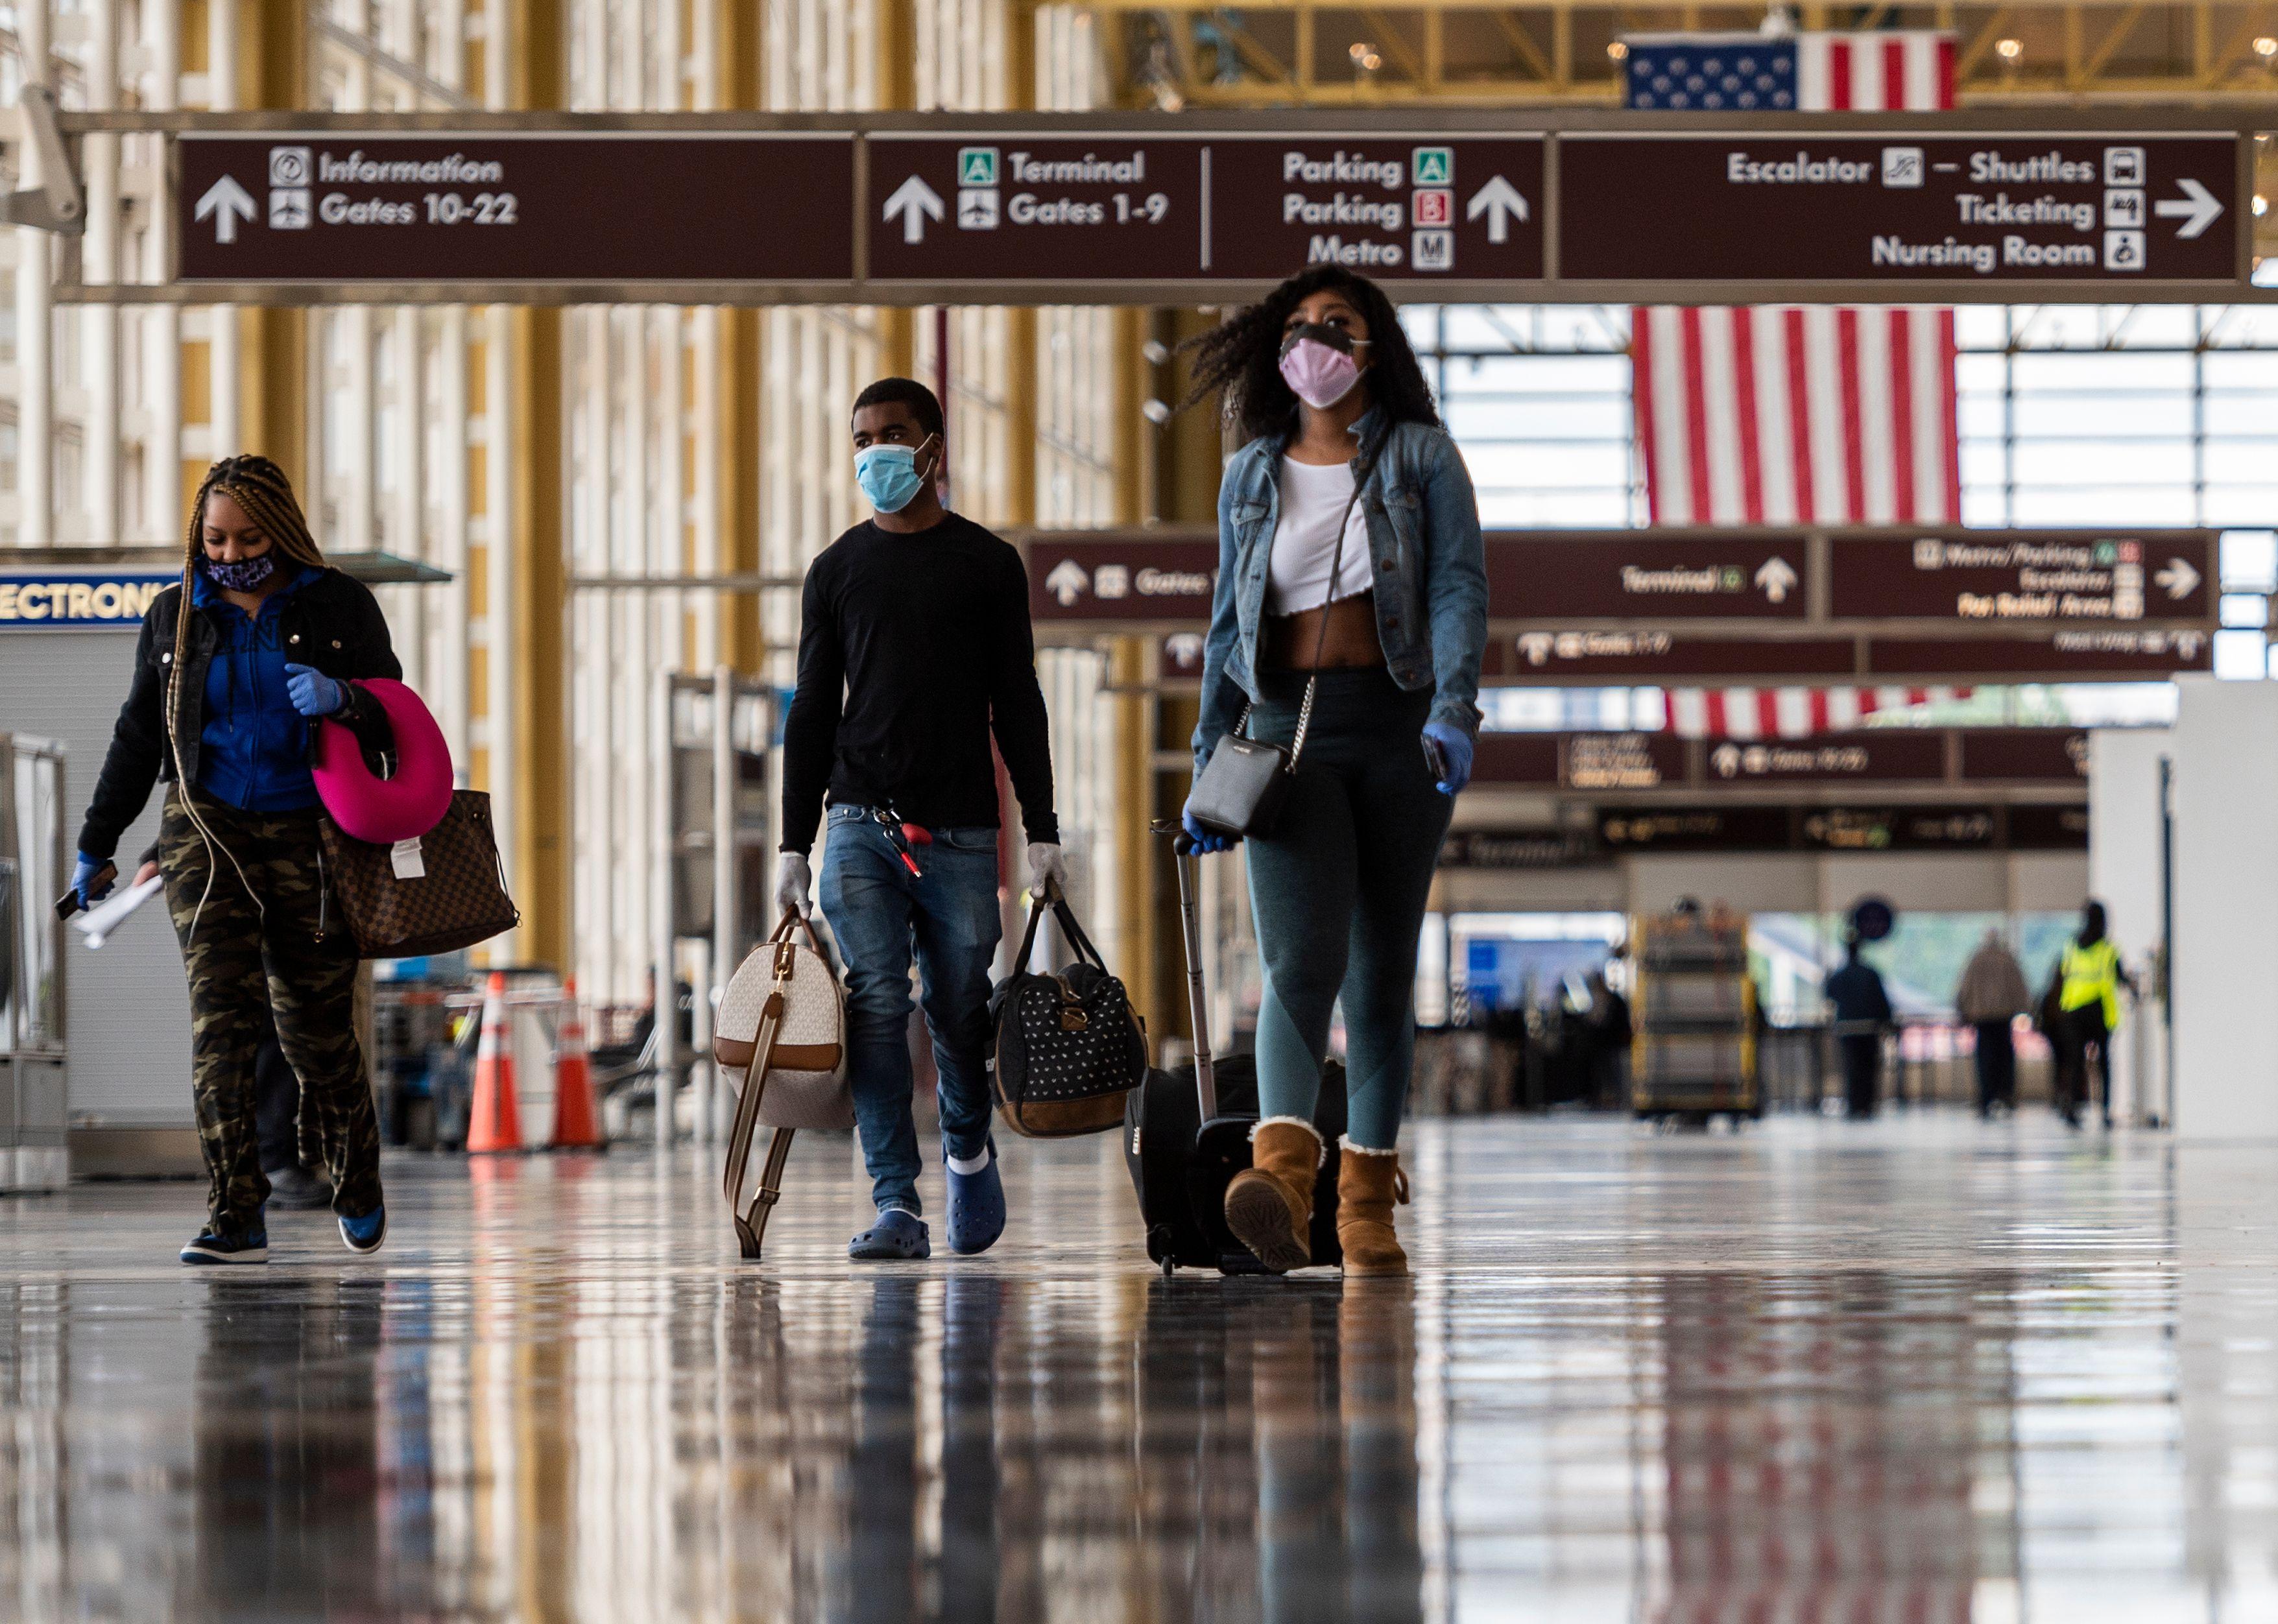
(1339, 893)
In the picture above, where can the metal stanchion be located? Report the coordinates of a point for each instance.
(668, 1012)
(727, 865)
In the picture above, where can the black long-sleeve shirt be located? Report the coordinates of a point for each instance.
(912, 648)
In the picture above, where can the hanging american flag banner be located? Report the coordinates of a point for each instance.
(1786, 713)
(1777, 415)
(1785, 415)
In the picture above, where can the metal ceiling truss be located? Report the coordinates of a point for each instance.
(1288, 52)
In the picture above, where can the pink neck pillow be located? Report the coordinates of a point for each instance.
(383, 810)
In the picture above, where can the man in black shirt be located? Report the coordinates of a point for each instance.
(914, 648)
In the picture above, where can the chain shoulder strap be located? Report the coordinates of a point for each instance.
(1321, 638)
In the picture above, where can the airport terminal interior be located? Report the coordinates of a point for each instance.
(1500, 846)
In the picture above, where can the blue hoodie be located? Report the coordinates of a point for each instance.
(254, 750)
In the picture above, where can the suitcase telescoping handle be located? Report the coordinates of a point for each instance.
(1182, 857)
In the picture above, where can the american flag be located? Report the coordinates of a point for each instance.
(1895, 71)
(1778, 415)
(1786, 713)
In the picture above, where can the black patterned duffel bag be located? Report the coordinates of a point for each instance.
(1067, 1048)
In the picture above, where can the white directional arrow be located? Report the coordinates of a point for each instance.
(2197, 208)
(1778, 577)
(1501, 202)
(1067, 582)
(228, 202)
(2178, 577)
(916, 203)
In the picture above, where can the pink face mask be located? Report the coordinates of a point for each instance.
(1320, 373)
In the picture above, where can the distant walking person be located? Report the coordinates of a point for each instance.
(1992, 994)
(1862, 1011)
(231, 673)
(913, 649)
(1611, 1033)
(1350, 609)
(2088, 1013)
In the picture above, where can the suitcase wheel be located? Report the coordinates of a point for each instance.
(1162, 1248)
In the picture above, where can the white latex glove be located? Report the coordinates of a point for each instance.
(1047, 866)
(793, 882)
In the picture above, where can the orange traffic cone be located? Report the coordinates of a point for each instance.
(495, 1123)
(577, 1124)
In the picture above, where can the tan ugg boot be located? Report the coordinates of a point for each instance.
(1269, 1206)
(1368, 1183)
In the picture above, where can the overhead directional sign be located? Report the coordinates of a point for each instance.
(1424, 204)
(1659, 574)
(1673, 656)
(335, 207)
(2015, 825)
(1014, 205)
(1897, 207)
(1888, 757)
(1100, 209)
(1677, 606)
(2073, 578)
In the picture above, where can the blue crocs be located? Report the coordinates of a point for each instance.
(976, 1204)
(895, 1235)
(364, 1234)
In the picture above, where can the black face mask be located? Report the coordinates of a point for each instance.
(1335, 338)
(241, 575)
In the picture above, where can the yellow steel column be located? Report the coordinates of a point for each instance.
(1187, 456)
(1021, 415)
(742, 643)
(895, 73)
(1134, 855)
(736, 27)
(273, 72)
(538, 578)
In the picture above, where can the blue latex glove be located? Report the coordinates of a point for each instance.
(1454, 748)
(83, 879)
(1204, 842)
(312, 692)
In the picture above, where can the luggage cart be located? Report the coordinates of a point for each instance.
(1694, 1055)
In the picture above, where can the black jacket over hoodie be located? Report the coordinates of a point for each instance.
(331, 624)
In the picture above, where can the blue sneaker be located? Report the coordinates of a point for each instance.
(895, 1235)
(212, 1246)
(976, 1204)
(364, 1234)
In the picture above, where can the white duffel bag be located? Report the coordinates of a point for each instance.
(781, 1033)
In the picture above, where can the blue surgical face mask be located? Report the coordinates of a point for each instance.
(888, 474)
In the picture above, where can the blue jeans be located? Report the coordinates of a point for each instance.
(878, 912)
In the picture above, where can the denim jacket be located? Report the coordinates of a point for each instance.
(1430, 572)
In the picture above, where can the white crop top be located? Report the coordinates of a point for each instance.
(1305, 538)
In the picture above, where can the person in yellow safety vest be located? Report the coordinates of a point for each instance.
(2090, 976)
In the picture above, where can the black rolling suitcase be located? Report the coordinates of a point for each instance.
(1186, 1134)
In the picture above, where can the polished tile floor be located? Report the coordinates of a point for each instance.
(1918, 1370)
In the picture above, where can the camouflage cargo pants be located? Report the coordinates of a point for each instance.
(268, 949)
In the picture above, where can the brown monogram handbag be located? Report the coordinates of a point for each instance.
(437, 893)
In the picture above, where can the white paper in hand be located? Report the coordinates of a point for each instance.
(96, 923)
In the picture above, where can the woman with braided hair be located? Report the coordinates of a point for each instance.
(231, 672)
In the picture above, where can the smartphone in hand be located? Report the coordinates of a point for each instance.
(67, 904)
(1435, 757)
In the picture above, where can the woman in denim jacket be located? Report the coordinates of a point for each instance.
(1382, 598)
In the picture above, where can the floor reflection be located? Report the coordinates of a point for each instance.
(1914, 1374)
